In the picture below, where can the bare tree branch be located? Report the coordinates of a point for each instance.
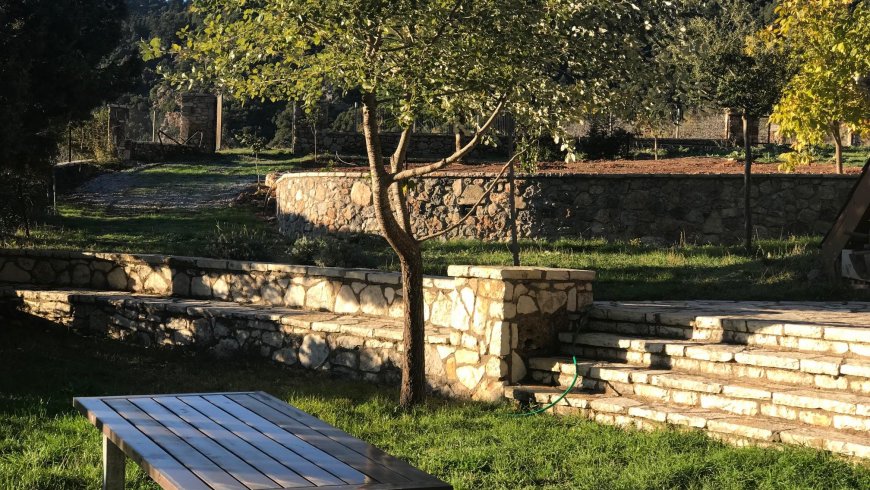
(397, 193)
(455, 157)
(476, 205)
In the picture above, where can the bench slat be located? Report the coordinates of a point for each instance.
(231, 463)
(200, 465)
(255, 457)
(375, 470)
(316, 475)
(347, 440)
(322, 459)
(167, 471)
(243, 441)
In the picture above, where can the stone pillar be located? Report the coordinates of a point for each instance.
(117, 126)
(516, 313)
(199, 121)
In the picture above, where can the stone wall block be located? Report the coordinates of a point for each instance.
(346, 301)
(320, 296)
(373, 302)
(81, 275)
(499, 339)
(285, 356)
(314, 351)
(295, 296)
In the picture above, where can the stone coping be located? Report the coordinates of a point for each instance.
(520, 272)
(562, 175)
(372, 276)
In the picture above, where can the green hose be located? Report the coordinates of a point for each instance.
(557, 400)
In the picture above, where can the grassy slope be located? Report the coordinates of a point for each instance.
(776, 270)
(44, 444)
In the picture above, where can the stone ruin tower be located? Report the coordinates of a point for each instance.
(199, 124)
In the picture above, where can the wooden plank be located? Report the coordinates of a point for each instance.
(394, 486)
(154, 460)
(131, 397)
(376, 471)
(346, 439)
(186, 454)
(311, 472)
(256, 458)
(849, 218)
(114, 462)
(227, 461)
(289, 440)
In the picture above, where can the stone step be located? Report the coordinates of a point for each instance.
(833, 328)
(840, 372)
(354, 345)
(824, 408)
(630, 411)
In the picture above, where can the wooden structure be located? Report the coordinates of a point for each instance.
(247, 440)
(846, 247)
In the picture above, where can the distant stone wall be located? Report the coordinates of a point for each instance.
(699, 208)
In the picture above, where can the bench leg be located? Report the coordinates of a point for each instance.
(113, 466)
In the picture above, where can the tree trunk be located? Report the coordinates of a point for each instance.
(512, 209)
(747, 184)
(457, 137)
(413, 389)
(838, 146)
(512, 189)
(655, 148)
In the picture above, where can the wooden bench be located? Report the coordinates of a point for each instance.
(247, 440)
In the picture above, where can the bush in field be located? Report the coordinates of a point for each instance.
(238, 242)
(600, 144)
(322, 252)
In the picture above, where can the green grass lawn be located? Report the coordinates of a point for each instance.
(45, 444)
(782, 269)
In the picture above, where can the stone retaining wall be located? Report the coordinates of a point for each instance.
(483, 323)
(699, 208)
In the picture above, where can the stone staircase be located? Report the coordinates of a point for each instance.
(759, 373)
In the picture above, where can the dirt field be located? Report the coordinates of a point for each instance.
(686, 165)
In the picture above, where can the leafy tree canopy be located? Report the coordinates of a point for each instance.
(721, 59)
(58, 60)
(545, 60)
(828, 41)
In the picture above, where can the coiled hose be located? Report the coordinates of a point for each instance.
(557, 400)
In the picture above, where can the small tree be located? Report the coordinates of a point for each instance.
(828, 41)
(731, 70)
(543, 59)
(59, 59)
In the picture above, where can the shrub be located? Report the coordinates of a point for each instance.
(792, 160)
(238, 242)
(320, 251)
(601, 145)
(24, 198)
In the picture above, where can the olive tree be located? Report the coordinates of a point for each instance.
(828, 42)
(543, 60)
(729, 68)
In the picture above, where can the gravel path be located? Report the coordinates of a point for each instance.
(161, 186)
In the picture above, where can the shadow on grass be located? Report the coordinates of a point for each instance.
(45, 365)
